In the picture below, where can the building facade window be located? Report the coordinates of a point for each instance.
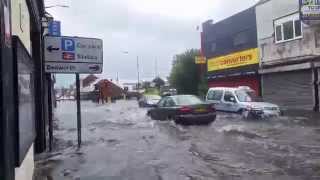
(213, 47)
(240, 39)
(288, 28)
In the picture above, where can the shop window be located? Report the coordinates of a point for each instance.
(288, 28)
(25, 100)
(278, 33)
(297, 27)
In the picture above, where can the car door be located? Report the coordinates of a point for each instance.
(166, 111)
(157, 112)
(229, 102)
(215, 97)
(169, 111)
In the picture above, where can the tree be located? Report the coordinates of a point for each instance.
(203, 87)
(146, 84)
(158, 82)
(185, 74)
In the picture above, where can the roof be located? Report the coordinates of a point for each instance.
(91, 87)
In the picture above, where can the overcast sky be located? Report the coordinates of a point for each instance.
(154, 30)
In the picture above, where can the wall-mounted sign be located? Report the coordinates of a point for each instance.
(25, 99)
(242, 58)
(73, 55)
(55, 28)
(200, 60)
(309, 9)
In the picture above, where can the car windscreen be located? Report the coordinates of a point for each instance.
(187, 100)
(247, 96)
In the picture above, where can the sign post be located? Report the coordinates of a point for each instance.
(74, 55)
(55, 28)
(78, 109)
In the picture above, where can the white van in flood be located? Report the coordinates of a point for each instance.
(241, 100)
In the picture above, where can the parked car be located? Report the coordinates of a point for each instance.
(184, 109)
(241, 100)
(149, 100)
(168, 91)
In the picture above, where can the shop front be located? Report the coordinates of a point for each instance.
(235, 69)
(293, 87)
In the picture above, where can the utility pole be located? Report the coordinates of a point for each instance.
(156, 68)
(117, 77)
(138, 73)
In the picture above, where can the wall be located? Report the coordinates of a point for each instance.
(25, 171)
(20, 25)
(273, 53)
(271, 10)
(224, 34)
(20, 21)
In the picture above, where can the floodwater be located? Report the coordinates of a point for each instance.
(121, 143)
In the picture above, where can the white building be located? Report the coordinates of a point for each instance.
(289, 55)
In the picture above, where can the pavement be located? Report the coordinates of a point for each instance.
(121, 143)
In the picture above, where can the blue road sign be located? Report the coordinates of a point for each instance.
(67, 44)
(55, 28)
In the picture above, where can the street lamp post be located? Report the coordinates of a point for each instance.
(138, 73)
(138, 69)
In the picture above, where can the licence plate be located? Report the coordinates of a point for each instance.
(201, 110)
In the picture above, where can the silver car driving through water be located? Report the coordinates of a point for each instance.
(241, 100)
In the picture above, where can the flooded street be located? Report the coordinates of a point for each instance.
(121, 143)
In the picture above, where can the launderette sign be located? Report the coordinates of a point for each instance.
(242, 58)
(309, 9)
(73, 55)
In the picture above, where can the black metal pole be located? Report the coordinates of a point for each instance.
(50, 116)
(78, 109)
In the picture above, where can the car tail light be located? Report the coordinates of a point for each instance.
(185, 110)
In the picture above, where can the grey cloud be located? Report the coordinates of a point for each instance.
(150, 36)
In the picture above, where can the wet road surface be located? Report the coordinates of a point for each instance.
(121, 143)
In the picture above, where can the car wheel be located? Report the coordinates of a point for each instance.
(152, 116)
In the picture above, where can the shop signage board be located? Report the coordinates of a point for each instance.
(238, 59)
(309, 10)
(200, 60)
(73, 55)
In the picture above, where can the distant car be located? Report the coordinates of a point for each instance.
(167, 91)
(241, 100)
(184, 109)
(149, 100)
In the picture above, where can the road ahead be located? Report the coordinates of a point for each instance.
(122, 143)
